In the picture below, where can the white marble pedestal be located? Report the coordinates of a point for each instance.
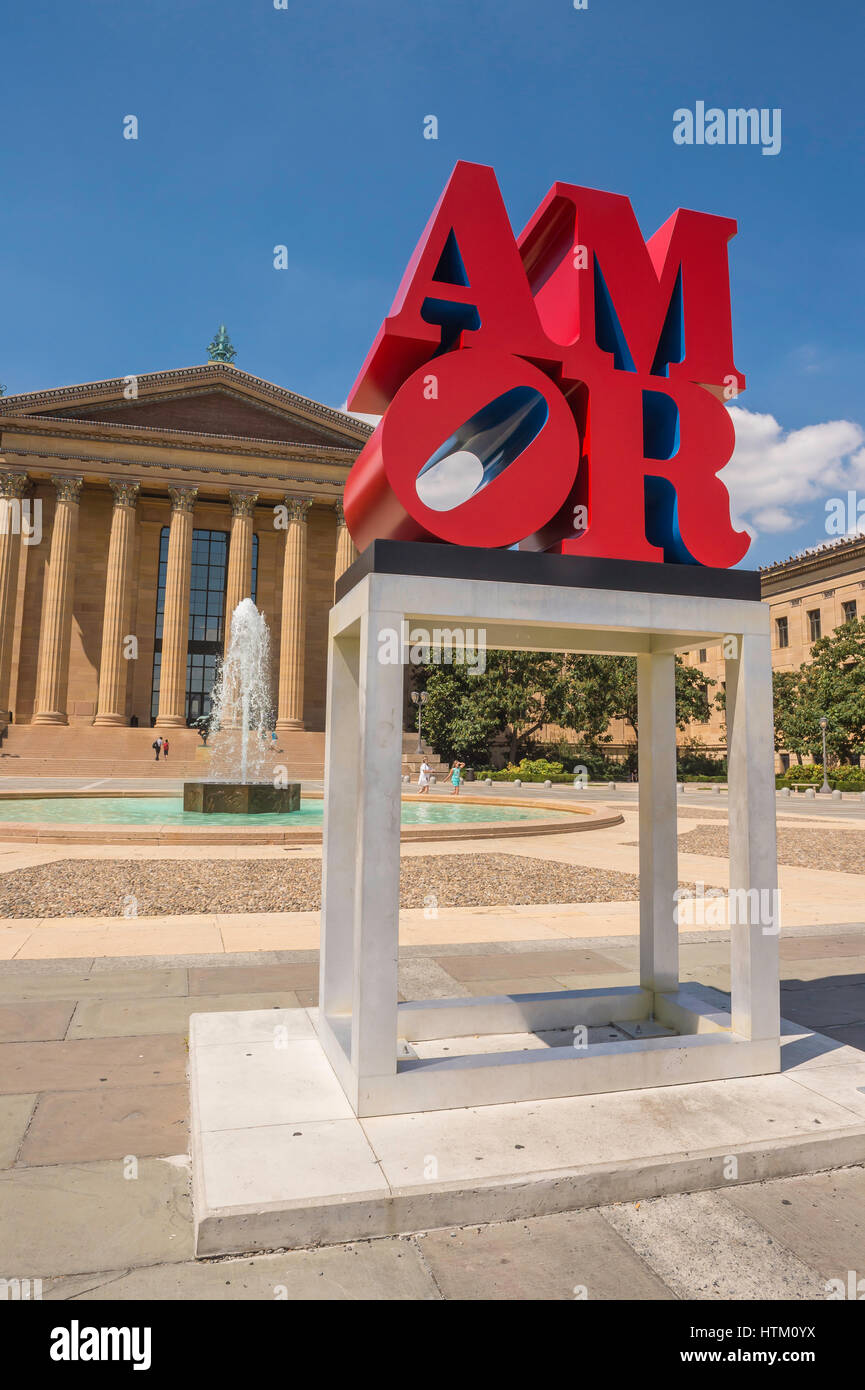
(279, 1159)
(541, 603)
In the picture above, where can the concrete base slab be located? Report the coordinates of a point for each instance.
(280, 1160)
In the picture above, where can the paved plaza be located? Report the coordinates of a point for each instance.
(94, 1124)
(94, 1188)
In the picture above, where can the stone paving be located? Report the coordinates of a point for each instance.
(780, 1240)
(94, 1180)
(94, 1173)
(809, 896)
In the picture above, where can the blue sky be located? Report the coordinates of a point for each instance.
(304, 127)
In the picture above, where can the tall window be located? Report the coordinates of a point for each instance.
(206, 618)
(850, 611)
(814, 623)
(206, 632)
(782, 632)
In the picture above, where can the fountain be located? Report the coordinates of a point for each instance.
(240, 723)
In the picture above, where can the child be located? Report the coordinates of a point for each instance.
(456, 778)
(423, 777)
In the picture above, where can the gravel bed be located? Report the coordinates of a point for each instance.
(842, 851)
(151, 888)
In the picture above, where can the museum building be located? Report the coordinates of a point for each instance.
(137, 513)
(810, 595)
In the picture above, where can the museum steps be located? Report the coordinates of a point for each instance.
(77, 750)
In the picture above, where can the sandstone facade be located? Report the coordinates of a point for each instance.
(98, 481)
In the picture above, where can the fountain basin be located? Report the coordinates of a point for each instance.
(240, 798)
(99, 817)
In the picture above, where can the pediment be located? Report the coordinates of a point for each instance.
(212, 400)
(206, 411)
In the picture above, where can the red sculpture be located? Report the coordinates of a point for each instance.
(563, 390)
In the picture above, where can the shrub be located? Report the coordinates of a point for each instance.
(844, 777)
(695, 764)
(543, 769)
(536, 769)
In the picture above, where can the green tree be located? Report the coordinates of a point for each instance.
(516, 695)
(521, 691)
(602, 688)
(796, 724)
(833, 683)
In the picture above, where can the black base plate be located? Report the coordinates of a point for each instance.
(537, 567)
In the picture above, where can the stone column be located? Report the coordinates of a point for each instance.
(754, 908)
(346, 550)
(175, 620)
(12, 488)
(659, 864)
(113, 665)
(239, 578)
(52, 673)
(293, 630)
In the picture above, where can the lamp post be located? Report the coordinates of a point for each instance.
(419, 698)
(824, 724)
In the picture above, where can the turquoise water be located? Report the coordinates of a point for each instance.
(168, 810)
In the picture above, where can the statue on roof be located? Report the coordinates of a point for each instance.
(221, 349)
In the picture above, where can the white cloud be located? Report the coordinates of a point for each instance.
(773, 472)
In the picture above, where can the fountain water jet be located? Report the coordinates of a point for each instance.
(240, 723)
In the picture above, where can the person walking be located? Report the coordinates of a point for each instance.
(423, 777)
(165, 750)
(157, 745)
(456, 779)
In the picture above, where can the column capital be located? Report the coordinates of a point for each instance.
(243, 503)
(297, 507)
(182, 498)
(125, 492)
(346, 550)
(13, 484)
(68, 488)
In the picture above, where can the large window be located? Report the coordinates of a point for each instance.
(850, 611)
(206, 632)
(207, 589)
(814, 624)
(783, 632)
